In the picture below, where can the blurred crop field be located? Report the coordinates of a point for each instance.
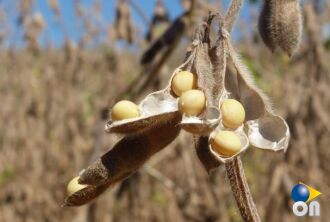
(55, 102)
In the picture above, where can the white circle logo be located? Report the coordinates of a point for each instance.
(300, 208)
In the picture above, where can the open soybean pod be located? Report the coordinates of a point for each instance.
(203, 56)
(161, 106)
(264, 128)
(123, 159)
(259, 127)
(155, 109)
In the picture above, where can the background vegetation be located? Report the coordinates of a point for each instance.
(54, 103)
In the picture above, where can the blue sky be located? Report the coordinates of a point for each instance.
(54, 32)
(108, 9)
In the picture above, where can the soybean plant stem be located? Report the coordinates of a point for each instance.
(241, 191)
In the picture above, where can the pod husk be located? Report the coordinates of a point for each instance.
(280, 25)
(269, 132)
(88, 194)
(262, 128)
(207, 121)
(124, 159)
(203, 124)
(130, 153)
(209, 65)
(265, 129)
(156, 108)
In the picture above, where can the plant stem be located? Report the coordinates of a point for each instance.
(241, 191)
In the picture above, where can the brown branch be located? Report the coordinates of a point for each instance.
(240, 188)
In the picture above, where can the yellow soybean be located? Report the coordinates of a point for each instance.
(233, 113)
(183, 81)
(192, 102)
(124, 110)
(226, 143)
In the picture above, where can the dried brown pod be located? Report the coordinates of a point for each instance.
(124, 159)
(87, 194)
(123, 24)
(131, 152)
(168, 39)
(280, 25)
(159, 22)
